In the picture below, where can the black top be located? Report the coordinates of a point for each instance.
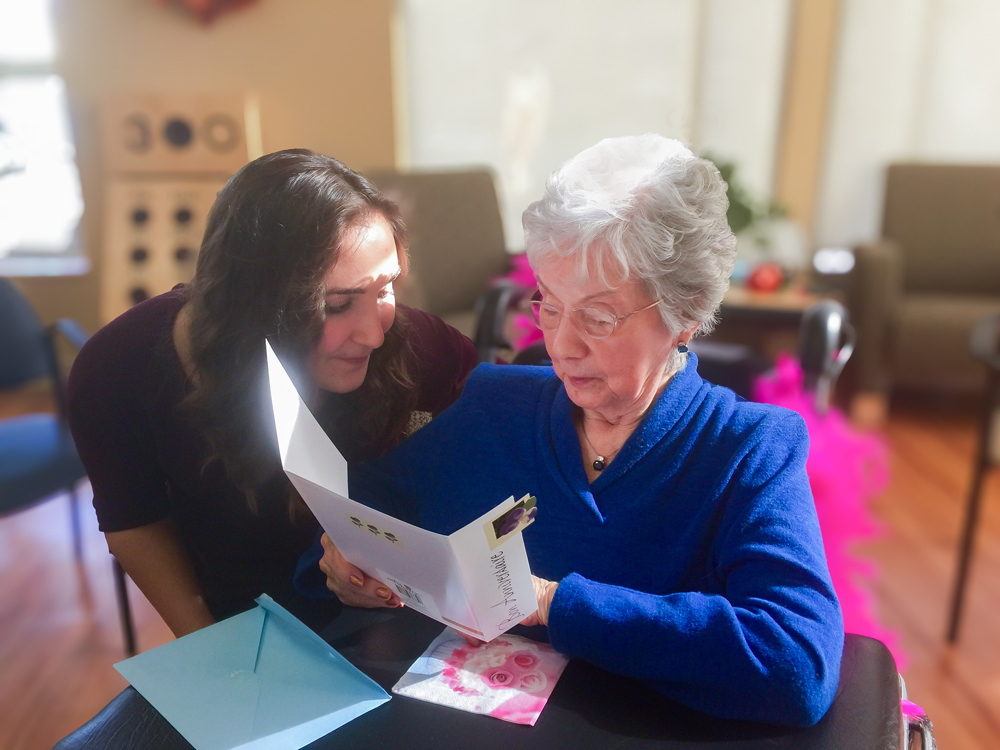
(146, 463)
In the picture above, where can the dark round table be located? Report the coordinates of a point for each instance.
(589, 708)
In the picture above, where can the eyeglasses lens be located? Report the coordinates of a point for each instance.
(596, 323)
(546, 316)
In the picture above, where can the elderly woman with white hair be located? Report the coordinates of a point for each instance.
(676, 539)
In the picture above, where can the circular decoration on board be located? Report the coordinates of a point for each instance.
(178, 132)
(220, 133)
(137, 133)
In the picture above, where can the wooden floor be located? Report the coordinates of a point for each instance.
(932, 450)
(59, 632)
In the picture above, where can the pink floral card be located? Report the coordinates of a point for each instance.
(509, 678)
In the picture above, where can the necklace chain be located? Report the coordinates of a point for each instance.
(602, 460)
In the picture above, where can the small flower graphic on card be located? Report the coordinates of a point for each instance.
(370, 528)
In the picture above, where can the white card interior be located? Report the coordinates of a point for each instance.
(456, 579)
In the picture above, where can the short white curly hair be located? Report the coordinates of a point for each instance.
(654, 210)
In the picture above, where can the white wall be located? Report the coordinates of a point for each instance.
(916, 80)
(525, 84)
(742, 82)
(960, 120)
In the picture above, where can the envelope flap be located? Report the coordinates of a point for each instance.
(204, 683)
(301, 630)
(303, 678)
(305, 448)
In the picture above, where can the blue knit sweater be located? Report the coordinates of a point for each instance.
(693, 562)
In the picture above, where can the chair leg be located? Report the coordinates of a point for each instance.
(74, 515)
(124, 610)
(972, 513)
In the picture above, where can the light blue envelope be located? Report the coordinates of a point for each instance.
(258, 680)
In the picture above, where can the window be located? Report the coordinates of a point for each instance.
(40, 197)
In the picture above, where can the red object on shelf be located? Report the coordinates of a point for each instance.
(207, 10)
(767, 277)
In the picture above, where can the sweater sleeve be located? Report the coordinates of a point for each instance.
(767, 647)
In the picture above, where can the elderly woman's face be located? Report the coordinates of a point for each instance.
(618, 376)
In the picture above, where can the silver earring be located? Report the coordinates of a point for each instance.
(683, 349)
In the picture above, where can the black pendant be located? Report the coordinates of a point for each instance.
(599, 464)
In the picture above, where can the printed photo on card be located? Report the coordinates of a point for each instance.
(514, 521)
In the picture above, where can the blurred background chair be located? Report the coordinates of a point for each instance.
(456, 240)
(37, 456)
(919, 290)
(984, 344)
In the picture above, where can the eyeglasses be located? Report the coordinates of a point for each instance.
(598, 324)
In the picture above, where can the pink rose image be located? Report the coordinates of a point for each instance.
(498, 678)
(509, 678)
(533, 682)
(524, 659)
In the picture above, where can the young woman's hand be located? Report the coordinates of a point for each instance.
(350, 584)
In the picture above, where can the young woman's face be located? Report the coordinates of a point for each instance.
(360, 305)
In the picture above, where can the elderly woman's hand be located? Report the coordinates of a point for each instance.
(544, 591)
(350, 584)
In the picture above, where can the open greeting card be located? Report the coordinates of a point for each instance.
(476, 580)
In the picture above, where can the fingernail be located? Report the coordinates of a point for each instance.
(383, 593)
(357, 581)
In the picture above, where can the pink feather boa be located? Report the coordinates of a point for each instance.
(846, 470)
(522, 330)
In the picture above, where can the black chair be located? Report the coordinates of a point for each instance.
(456, 240)
(984, 343)
(37, 456)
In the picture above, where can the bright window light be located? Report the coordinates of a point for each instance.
(26, 32)
(40, 197)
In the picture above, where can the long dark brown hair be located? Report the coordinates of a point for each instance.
(272, 236)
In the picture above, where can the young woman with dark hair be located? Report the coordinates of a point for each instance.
(169, 404)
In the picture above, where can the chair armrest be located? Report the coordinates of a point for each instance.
(70, 330)
(878, 287)
(492, 307)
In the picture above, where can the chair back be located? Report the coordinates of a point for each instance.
(456, 236)
(24, 354)
(946, 219)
